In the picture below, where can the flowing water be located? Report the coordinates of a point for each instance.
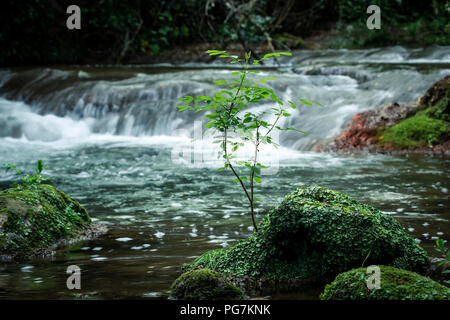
(111, 137)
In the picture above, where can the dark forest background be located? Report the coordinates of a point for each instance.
(117, 31)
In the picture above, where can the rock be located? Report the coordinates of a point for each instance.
(363, 130)
(395, 284)
(421, 127)
(437, 92)
(204, 284)
(314, 234)
(35, 219)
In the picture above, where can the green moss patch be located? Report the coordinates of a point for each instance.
(418, 131)
(34, 218)
(396, 284)
(204, 284)
(316, 233)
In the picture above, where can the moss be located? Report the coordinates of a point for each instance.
(396, 284)
(204, 284)
(34, 218)
(313, 234)
(417, 131)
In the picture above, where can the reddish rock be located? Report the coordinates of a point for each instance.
(361, 134)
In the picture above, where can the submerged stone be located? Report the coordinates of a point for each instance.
(34, 219)
(395, 284)
(204, 284)
(315, 234)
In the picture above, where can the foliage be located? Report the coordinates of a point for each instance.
(428, 127)
(396, 284)
(29, 180)
(32, 218)
(235, 125)
(403, 22)
(204, 284)
(34, 31)
(317, 233)
(417, 131)
(445, 253)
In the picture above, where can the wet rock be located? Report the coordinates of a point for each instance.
(363, 131)
(204, 284)
(313, 235)
(395, 284)
(37, 218)
(437, 92)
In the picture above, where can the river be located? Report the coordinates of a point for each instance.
(112, 138)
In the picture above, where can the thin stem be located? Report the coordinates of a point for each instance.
(253, 176)
(250, 199)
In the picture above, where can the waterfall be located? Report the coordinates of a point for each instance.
(49, 104)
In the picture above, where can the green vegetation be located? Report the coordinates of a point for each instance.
(396, 284)
(204, 284)
(428, 127)
(403, 22)
(119, 31)
(34, 216)
(445, 253)
(316, 233)
(236, 126)
(29, 180)
(417, 131)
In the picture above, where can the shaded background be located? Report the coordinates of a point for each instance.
(139, 31)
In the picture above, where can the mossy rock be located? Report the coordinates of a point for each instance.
(204, 284)
(428, 127)
(316, 233)
(395, 284)
(34, 218)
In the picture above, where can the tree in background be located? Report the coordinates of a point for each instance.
(115, 31)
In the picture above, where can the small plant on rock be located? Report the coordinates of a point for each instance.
(229, 115)
(29, 179)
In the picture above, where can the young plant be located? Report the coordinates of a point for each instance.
(29, 179)
(229, 116)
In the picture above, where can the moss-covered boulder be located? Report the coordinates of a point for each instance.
(429, 128)
(395, 284)
(316, 233)
(33, 219)
(204, 284)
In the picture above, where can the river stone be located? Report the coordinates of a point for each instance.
(315, 234)
(204, 284)
(395, 284)
(33, 219)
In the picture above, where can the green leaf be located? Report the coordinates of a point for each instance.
(293, 106)
(40, 166)
(306, 102)
(214, 52)
(182, 108)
